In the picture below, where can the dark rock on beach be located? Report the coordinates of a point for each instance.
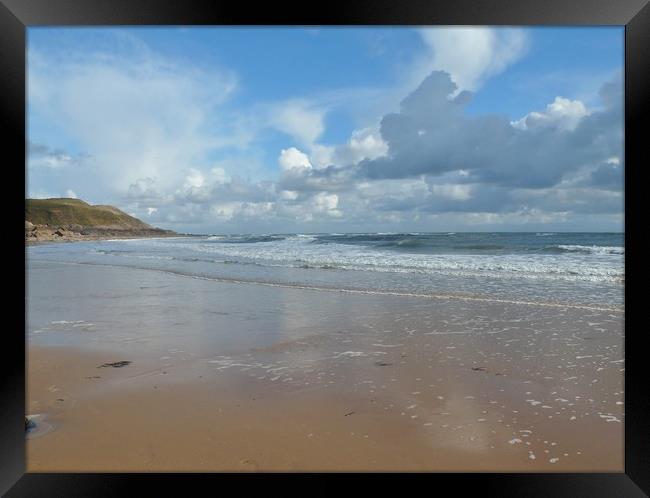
(29, 424)
(117, 364)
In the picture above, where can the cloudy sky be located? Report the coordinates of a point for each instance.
(245, 130)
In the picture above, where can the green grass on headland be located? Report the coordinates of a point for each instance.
(66, 212)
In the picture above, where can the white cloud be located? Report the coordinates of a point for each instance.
(363, 144)
(218, 175)
(227, 211)
(255, 209)
(139, 115)
(470, 54)
(298, 118)
(322, 156)
(561, 113)
(195, 179)
(288, 195)
(451, 191)
(326, 203)
(480, 165)
(293, 159)
(70, 194)
(224, 211)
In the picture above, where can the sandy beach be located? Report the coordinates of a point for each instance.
(248, 377)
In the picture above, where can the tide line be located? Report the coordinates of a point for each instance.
(365, 291)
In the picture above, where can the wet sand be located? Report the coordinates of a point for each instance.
(245, 377)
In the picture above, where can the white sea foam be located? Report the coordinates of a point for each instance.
(609, 418)
(594, 249)
(298, 251)
(370, 263)
(351, 354)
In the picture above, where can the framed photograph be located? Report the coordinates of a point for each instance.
(372, 239)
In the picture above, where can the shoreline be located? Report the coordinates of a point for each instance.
(369, 292)
(29, 242)
(90, 238)
(260, 378)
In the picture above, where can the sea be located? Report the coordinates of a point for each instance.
(578, 269)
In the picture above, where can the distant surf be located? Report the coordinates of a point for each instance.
(580, 267)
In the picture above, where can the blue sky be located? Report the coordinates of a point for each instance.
(229, 129)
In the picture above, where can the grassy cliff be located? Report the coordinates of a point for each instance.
(65, 212)
(74, 219)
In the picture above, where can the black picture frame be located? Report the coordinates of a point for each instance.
(17, 15)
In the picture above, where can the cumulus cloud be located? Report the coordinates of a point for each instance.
(366, 143)
(562, 113)
(470, 54)
(431, 134)
(293, 159)
(194, 179)
(437, 159)
(325, 202)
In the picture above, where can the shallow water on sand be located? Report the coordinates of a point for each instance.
(556, 268)
(529, 382)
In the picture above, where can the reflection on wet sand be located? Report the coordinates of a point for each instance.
(230, 376)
